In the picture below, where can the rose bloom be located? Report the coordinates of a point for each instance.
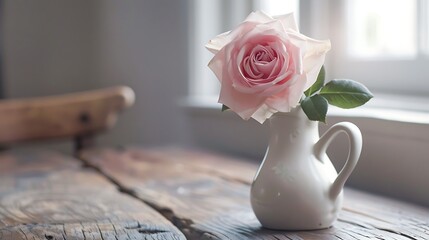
(265, 65)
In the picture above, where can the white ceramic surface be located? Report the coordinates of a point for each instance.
(296, 186)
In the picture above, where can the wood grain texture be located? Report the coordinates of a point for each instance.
(207, 197)
(64, 116)
(49, 196)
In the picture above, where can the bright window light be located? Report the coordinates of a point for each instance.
(382, 28)
(278, 7)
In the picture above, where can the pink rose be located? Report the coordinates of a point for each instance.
(265, 65)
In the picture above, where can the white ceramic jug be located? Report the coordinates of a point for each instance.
(296, 186)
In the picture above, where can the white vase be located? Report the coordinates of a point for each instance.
(296, 186)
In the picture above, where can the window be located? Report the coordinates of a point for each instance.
(381, 43)
(373, 29)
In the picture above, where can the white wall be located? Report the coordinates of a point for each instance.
(48, 47)
(143, 44)
(60, 46)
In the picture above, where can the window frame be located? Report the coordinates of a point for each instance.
(342, 65)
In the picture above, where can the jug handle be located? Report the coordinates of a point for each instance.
(355, 147)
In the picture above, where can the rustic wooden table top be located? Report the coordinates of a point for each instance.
(165, 194)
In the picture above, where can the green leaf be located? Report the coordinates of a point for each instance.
(346, 93)
(315, 107)
(318, 84)
(224, 108)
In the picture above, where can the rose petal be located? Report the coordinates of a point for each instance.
(259, 17)
(263, 113)
(241, 103)
(313, 60)
(288, 98)
(250, 69)
(314, 57)
(217, 63)
(296, 91)
(266, 86)
(267, 68)
(288, 21)
(273, 28)
(214, 45)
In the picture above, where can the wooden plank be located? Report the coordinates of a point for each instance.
(63, 116)
(207, 197)
(49, 196)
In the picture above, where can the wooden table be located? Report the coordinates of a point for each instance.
(165, 194)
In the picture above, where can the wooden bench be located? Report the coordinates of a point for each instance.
(164, 193)
(78, 116)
